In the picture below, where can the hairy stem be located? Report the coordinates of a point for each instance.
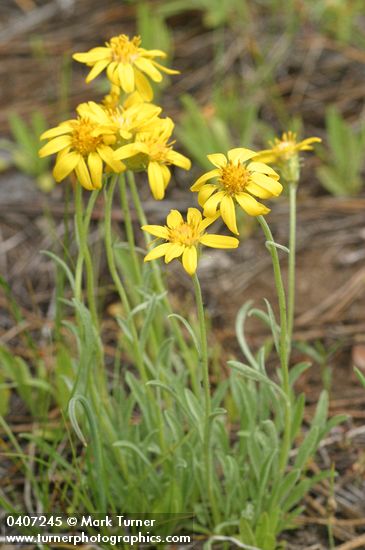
(292, 252)
(283, 346)
(207, 398)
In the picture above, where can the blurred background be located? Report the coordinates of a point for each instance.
(250, 70)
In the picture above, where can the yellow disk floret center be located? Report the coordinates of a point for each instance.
(234, 177)
(185, 234)
(82, 136)
(285, 148)
(123, 49)
(157, 149)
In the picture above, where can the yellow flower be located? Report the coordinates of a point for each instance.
(152, 151)
(282, 150)
(126, 64)
(126, 120)
(112, 99)
(82, 145)
(184, 237)
(236, 181)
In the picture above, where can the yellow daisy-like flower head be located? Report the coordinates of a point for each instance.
(126, 64)
(184, 237)
(134, 119)
(152, 151)
(237, 179)
(284, 154)
(282, 150)
(83, 145)
(127, 121)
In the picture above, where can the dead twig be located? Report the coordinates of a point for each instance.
(355, 543)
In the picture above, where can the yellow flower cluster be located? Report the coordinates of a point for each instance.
(126, 131)
(236, 179)
(125, 126)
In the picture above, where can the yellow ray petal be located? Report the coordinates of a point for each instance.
(126, 77)
(190, 259)
(194, 216)
(307, 141)
(165, 69)
(95, 165)
(97, 69)
(174, 251)
(266, 156)
(205, 192)
(154, 53)
(174, 219)
(93, 56)
(206, 222)
(219, 241)
(270, 184)
(240, 154)
(228, 213)
(143, 86)
(205, 177)
(129, 150)
(59, 130)
(156, 181)
(179, 160)
(112, 73)
(146, 66)
(258, 191)
(251, 205)
(54, 146)
(262, 169)
(107, 154)
(83, 175)
(166, 174)
(157, 252)
(125, 134)
(210, 207)
(157, 231)
(218, 159)
(65, 165)
(90, 108)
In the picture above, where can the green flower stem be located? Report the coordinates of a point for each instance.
(82, 226)
(114, 273)
(82, 222)
(207, 398)
(283, 346)
(127, 309)
(292, 252)
(189, 359)
(60, 274)
(132, 249)
(129, 228)
(99, 397)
